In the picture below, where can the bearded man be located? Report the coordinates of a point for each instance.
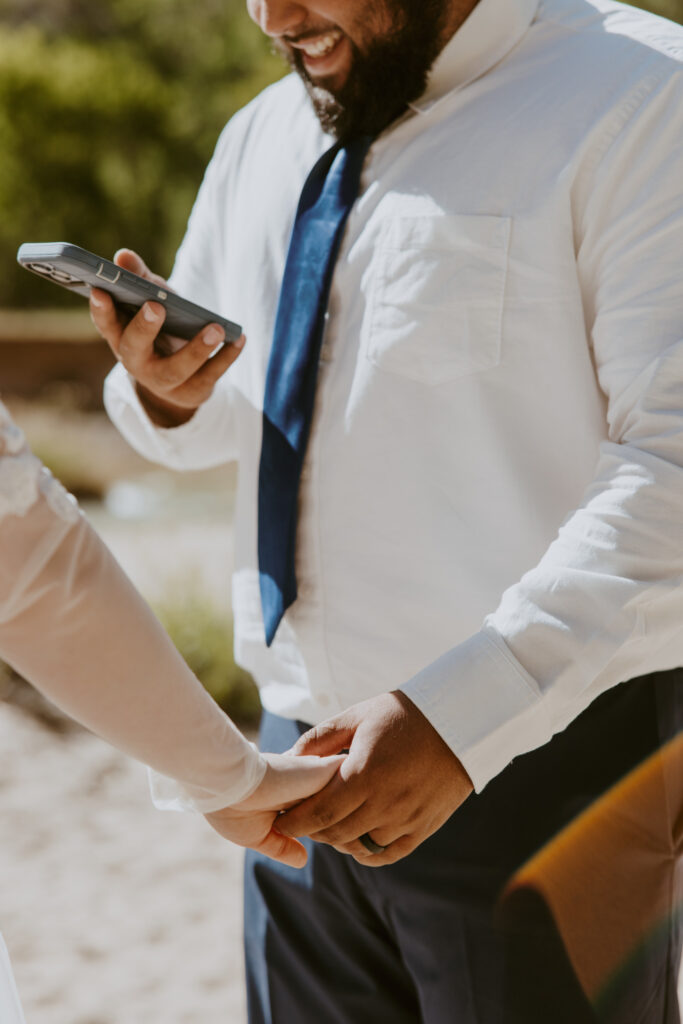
(454, 238)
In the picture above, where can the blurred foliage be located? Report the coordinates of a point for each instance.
(109, 111)
(672, 9)
(202, 634)
(74, 468)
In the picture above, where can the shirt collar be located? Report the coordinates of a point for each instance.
(492, 29)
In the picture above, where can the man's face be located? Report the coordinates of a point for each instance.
(362, 61)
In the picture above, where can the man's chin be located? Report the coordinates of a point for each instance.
(364, 98)
(328, 110)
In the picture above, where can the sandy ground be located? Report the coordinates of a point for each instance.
(113, 913)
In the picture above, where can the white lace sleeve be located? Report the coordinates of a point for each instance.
(73, 624)
(23, 477)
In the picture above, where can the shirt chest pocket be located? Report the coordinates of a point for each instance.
(436, 296)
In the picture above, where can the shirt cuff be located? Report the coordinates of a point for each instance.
(483, 704)
(192, 445)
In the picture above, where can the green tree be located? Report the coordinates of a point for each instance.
(108, 115)
(672, 9)
(109, 110)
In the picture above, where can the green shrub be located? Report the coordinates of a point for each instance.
(109, 112)
(203, 635)
(75, 469)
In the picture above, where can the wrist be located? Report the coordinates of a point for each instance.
(161, 412)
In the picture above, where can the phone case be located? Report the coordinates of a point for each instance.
(79, 271)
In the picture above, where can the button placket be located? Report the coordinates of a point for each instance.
(325, 354)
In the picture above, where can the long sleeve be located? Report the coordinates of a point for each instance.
(206, 440)
(605, 603)
(73, 624)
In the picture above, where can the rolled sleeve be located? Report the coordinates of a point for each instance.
(206, 440)
(483, 704)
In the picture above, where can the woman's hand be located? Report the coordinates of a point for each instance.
(253, 822)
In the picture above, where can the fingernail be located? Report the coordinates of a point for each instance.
(240, 343)
(212, 336)
(150, 313)
(95, 301)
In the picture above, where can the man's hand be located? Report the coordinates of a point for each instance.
(172, 381)
(253, 822)
(399, 783)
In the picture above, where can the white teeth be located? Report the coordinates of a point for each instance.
(321, 46)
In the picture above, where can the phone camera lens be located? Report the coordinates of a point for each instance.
(62, 277)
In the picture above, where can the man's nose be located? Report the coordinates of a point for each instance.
(277, 17)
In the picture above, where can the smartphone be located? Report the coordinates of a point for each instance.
(79, 271)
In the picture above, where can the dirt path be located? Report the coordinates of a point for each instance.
(113, 913)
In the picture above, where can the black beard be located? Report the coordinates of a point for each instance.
(383, 80)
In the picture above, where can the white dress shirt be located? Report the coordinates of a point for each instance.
(491, 510)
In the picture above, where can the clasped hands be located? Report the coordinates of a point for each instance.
(399, 781)
(397, 785)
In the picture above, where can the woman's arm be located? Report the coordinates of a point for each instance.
(73, 624)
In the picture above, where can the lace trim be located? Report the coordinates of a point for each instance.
(58, 498)
(23, 477)
(12, 440)
(19, 475)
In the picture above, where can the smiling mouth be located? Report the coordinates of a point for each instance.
(319, 46)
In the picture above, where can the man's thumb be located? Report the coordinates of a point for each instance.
(331, 737)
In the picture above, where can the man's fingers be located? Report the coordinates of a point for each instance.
(400, 848)
(331, 805)
(136, 345)
(106, 319)
(168, 382)
(363, 820)
(186, 377)
(196, 363)
(173, 375)
(283, 848)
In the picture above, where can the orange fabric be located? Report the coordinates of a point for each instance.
(610, 878)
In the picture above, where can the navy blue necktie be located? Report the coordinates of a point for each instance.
(326, 200)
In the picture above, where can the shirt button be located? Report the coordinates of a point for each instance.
(325, 352)
(305, 591)
(324, 700)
